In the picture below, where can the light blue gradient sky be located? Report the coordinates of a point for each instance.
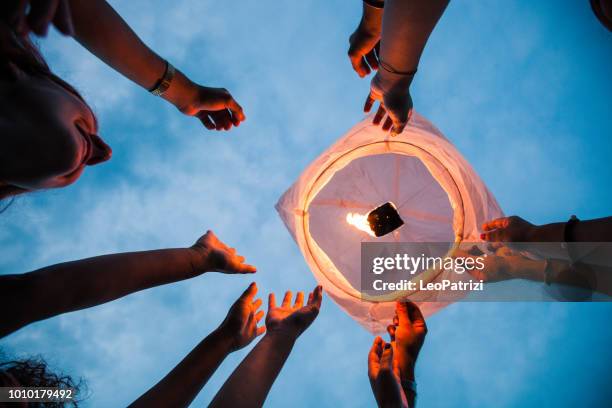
(523, 88)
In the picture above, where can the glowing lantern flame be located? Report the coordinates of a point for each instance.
(360, 222)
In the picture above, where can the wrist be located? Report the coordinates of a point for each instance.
(406, 367)
(223, 339)
(281, 338)
(546, 233)
(389, 83)
(529, 269)
(181, 93)
(198, 259)
(533, 234)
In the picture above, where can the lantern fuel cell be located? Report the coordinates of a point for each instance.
(384, 219)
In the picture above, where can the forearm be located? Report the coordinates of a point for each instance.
(100, 29)
(406, 29)
(406, 367)
(181, 385)
(371, 19)
(88, 282)
(249, 384)
(553, 271)
(597, 230)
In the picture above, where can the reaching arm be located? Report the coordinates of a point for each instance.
(99, 28)
(516, 229)
(260, 367)
(71, 286)
(184, 382)
(384, 376)
(249, 384)
(102, 31)
(405, 30)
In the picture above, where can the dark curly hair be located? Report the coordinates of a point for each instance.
(34, 372)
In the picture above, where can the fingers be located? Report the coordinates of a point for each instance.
(380, 114)
(391, 331)
(259, 315)
(246, 268)
(222, 119)
(41, 14)
(261, 330)
(372, 59)
(271, 301)
(249, 293)
(209, 236)
(63, 18)
(493, 236)
(495, 224)
(374, 357)
(401, 310)
(359, 65)
(416, 315)
(376, 349)
(287, 299)
(314, 299)
(397, 129)
(388, 123)
(257, 303)
(236, 110)
(369, 103)
(205, 119)
(299, 300)
(397, 119)
(317, 296)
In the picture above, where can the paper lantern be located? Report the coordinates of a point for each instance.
(373, 187)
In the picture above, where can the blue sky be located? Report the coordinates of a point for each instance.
(522, 88)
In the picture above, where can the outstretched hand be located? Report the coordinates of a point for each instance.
(408, 334)
(215, 107)
(210, 254)
(26, 16)
(384, 375)
(397, 104)
(240, 324)
(292, 320)
(364, 48)
(507, 229)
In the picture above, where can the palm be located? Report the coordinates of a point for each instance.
(410, 338)
(290, 317)
(293, 319)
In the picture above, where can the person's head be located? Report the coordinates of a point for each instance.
(48, 133)
(35, 373)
